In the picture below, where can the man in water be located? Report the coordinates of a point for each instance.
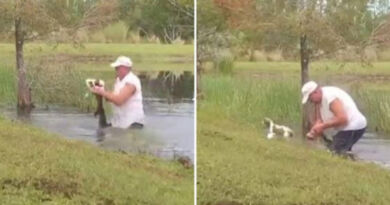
(336, 115)
(126, 98)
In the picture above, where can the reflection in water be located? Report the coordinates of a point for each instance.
(168, 85)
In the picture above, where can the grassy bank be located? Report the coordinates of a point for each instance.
(237, 164)
(39, 168)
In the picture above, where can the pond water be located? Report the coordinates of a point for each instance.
(169, 126)
(372, 147)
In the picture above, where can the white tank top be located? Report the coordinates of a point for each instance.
(356, 120)
(132, 110)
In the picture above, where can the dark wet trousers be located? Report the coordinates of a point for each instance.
(136, 125)
(344, 140)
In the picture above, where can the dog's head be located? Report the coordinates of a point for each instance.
(267, 122)
(99, 83)
(94, 82)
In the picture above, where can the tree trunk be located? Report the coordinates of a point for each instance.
(199, 68)
(304, 79)
(251, 54)
(24, 95)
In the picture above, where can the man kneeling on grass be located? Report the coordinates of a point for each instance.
(126, 98)
(336, 115)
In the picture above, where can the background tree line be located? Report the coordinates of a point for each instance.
(131, 21)
(268, 25)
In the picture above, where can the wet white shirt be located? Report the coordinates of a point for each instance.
(132, 110)
(356, 119)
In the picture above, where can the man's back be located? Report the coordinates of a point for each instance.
(356, 120)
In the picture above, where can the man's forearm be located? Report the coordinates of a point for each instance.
(111, 97)
(340, 117)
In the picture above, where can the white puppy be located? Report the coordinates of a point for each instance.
(274, 129)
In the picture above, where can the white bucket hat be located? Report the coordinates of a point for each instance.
(122, 60)
(307, 89)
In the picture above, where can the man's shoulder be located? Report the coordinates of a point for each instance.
(131, 77)
(332, 89)
(332, 92)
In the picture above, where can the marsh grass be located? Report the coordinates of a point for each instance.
(60, 84)
(375, 103)
(224, 63)
(7, 85)
(250, 100)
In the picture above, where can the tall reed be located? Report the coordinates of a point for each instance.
(250, 99)
(60, 84)
(375, 104)
(7, 85)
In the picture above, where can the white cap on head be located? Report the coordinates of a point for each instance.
(122, 61)
(307, 89)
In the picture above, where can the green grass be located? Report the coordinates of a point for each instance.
(41, 168)
(250, 100)
(7, 85)
(224, 63)
(148, 51)
(236, 163)
(317, 67)
(374, 100)
(144, 56)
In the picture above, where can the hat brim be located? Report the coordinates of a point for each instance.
(305, 98)
(115, 64)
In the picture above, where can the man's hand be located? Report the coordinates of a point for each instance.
(98, 90)
(318, 128)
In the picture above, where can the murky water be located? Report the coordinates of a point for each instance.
(373, 148)
(169, 126)
(168, 131)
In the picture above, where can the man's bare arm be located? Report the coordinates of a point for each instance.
(340, 117)
(118, 99)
